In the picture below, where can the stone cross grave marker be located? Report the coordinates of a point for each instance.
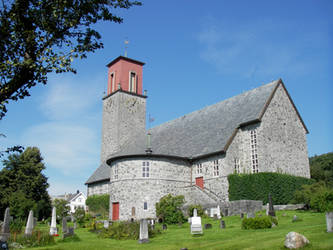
(30, 224)
(5, 232)
(144, 237)
(53, 228)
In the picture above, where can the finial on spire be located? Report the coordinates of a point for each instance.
(126, 42)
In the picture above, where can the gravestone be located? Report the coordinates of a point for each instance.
(267, 208)
(69, 233)
(75, 225)
(5, 232)
(295, 218)
(53, 228)
(64, 225)
(208, 226)
(242, 215)
(35, 222)
(222, 224)
(218, 212)
(195, 213)
(196, 227)
(106, 224)
(329, 222)
(144, 237)
(271, 211)
(152, 224)
(164, 227)
(30, 224)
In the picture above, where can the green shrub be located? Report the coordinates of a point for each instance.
(99, 204)
(258, 222)
(317, 196)
(125, 231)
(16, 225)
(169, 209)
(37, 239)
(79, 216)
(258, 186)
(199, 208)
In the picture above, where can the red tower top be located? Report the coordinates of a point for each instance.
(126, 74)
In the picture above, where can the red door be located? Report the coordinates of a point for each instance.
(199, 182)
(115, 211)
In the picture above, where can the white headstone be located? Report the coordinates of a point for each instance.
(144, 237)
(106, 224)
(196, 227)
(195, 212)
(5, 232)
(329, 222)
(218, 212)
(53, 228)
(30, 224)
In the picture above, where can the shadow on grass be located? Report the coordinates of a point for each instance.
(73, 238)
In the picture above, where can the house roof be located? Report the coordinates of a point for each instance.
(203, 132)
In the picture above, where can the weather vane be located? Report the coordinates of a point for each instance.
(126, 46)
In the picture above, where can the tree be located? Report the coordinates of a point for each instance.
(99, 204)
(23, 186)
(62, 207)
(169, 209)
(321, 168)
(43, 36)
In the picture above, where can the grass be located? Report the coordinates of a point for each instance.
(312, 226)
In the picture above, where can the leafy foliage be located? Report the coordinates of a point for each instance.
(258, 222)
(124, 230)
(23, 186)
(199, 208)
(258, 186)
(61, 207)
(317, 196)
(321, 168)
(169, 209)
(99, 204)
(38, 238)
(43, 36)
(16, 226)
(79, 216)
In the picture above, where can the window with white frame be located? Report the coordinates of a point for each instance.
(216, 168)
(145, 169)
(254, 155)
(115, 171)
(132, 82)
(237, 165)
(199, 168)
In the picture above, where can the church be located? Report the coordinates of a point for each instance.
(257, 131)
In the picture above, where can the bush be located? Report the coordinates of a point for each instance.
(169, 209)
(16, 225)
(99, 204)
(258, 222)
(125, 231)
(79, 216)
(38, 238)
(317, 196)
(258, 186)
(199, 208)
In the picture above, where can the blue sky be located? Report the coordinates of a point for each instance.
(197, 53)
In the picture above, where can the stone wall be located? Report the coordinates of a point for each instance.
(240, 206)
(132, 190)
(124, 116)
(98, 188)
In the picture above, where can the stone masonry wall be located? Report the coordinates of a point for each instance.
(98, 188)
(131, 189)
(282, 145)
(124, 116)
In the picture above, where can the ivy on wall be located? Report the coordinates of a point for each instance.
(258, 186)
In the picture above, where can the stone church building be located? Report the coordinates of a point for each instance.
(257, 131)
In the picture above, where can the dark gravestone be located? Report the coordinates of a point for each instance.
(64, 225)
(208, 226)
(222, 224)
(164, 227)
(242, 215)
(226, 212)
(69, 233)
(271, 211)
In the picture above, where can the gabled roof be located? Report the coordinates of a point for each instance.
(74, 196)
(204, 131)
(102, 173)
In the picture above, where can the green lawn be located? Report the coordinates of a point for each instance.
(313, 226)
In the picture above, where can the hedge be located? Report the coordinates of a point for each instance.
(258, 186)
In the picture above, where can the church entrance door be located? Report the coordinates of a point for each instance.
(115, 211)
(199, 182)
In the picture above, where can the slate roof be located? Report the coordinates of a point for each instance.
(102, 173)
(201, 132)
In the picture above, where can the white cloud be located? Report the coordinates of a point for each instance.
(68, 148)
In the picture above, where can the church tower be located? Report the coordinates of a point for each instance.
(124, 106)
